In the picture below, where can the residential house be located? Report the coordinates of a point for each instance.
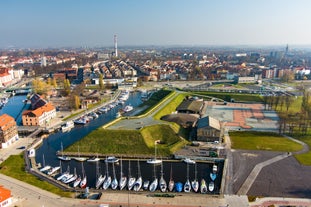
(5, 197)
(8, 131)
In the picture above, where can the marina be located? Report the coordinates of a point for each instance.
(150, 176)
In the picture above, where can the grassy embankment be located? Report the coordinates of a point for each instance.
(129, 142)
(14, 167)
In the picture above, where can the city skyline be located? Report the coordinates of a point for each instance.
(94, 23)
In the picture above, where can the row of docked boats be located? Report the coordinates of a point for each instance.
(66, 177)
(93, 115)
(130, 182)
(138, 184)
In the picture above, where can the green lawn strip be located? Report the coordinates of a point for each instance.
(14, 167)
(262, 141)
(236, 96)
(305, 159)
(170, 107)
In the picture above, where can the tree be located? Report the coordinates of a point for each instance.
(66, 87)
(49, 81)
(288, 76)
(39, 86)
(74, 102)
(101, 83)
(77, 102)
(288, 102)
(54, 83)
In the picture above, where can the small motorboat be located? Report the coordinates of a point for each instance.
(213, 176)
(215, 168)
(189, 161)
(111, 159)
(211, 186)
(178, 187)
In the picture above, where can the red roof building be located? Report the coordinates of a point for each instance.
(5, 197)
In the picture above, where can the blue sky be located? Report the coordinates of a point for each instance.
(56, 23)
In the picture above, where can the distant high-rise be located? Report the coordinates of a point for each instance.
(43, 61)
(115, 45)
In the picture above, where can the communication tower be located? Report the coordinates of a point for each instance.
(115, 45)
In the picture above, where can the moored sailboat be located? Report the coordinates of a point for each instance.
(131, 180)
(45, 167)
(123, 178)
(100, 178)
(83, 182)
(77, 182)
(187, 186)
(195, 182)
(107, 182)
(154, 184)
(62, 157)
(162, 182)
(139, 181)
(171, 183)
(203, 187)
(114, 182)
(155, 160)
(79, 158)
(73, 177)
(146, 184)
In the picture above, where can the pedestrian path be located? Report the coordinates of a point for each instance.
(255, 172)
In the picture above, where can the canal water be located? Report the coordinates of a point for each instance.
(53, 143)
(15, 107)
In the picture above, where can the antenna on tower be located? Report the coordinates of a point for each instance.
(116, 45)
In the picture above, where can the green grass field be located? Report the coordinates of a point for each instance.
(236, 96)
(129, 142)
(14, 167)
(262, 141)
(171, 107)
(305, 159)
